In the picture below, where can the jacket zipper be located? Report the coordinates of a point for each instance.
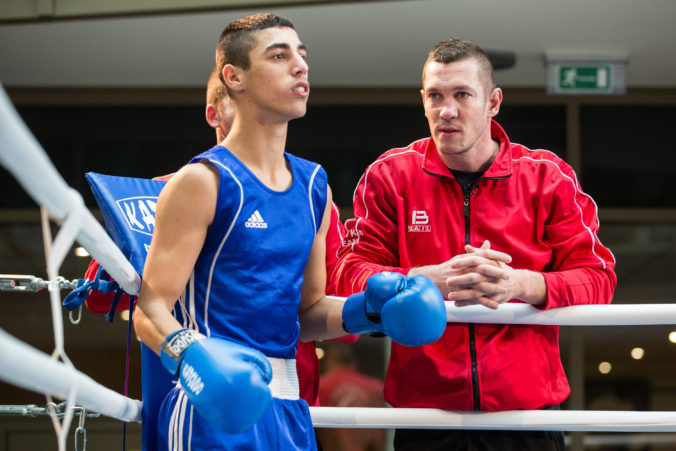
(476, 397)
(467, 193)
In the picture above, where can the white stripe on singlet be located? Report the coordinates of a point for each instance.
(309, 195)
(181, 420)
(220, 247)
(178, 421)
(192, 410)
(170, 429)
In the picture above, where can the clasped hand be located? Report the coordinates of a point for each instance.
(480, 276)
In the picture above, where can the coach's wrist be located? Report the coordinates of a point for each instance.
(531, 287)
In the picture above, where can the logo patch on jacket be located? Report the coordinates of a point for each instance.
(419, 222)
(139, 212)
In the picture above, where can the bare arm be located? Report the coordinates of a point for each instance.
(185, 209)
(320, 316)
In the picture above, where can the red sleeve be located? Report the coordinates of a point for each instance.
(582, 270)
(334, 240)
(370, 245)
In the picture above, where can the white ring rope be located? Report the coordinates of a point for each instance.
(23, 156)
(574, 315)
(31, 369)
(533, 420)
(39, 372)
(36, 371)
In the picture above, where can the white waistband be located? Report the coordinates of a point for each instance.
(284, 383)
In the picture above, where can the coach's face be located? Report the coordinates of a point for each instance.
(459, 106)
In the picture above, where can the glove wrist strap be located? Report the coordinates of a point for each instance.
(174, 345)
(356, 319)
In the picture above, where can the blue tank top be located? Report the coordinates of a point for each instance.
(245, 286)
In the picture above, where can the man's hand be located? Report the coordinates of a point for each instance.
(475, 261)
(483, 279)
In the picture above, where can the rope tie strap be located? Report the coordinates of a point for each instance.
(102, 283)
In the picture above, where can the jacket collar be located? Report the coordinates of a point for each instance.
(501, 167)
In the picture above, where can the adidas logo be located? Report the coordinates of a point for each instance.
(256, 221)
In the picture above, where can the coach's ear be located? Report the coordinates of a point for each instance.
(233, 77)
(494, 100)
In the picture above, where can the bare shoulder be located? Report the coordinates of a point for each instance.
(193, 189)
(197, 176)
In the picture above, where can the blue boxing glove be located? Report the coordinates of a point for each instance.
(410, 310)
(361, 312)
(417, 315)
(226, 382)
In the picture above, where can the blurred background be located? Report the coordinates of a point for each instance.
(119, 88)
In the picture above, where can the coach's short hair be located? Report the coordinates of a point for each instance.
(456, 49)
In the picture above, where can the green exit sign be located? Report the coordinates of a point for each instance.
(586, 72)
(590, 79)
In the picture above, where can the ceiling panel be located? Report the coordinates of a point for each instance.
(380, 44)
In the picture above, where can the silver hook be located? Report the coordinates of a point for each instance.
(79, 315)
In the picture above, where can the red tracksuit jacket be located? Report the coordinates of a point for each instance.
(410, 211)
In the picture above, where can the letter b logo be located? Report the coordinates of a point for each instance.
(419, 217)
